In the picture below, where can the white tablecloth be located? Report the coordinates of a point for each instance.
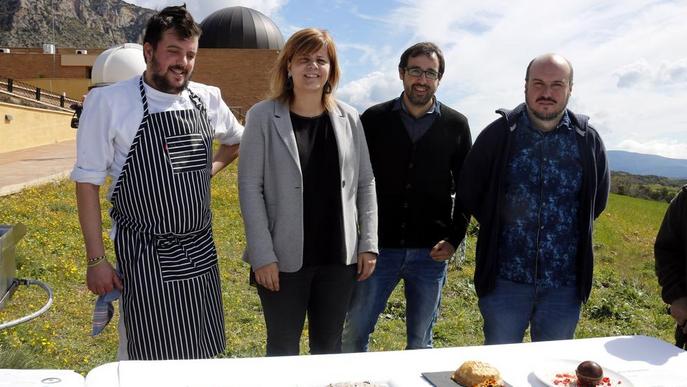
(40, 378)
(645, 361)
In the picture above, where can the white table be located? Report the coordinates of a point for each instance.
(40, 378)
(645, 361)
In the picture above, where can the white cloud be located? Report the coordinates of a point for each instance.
(375, 57)
(671, 149)
(633, 74)
(629, 75)
(372, 89)
(641, 73)
(671, 73)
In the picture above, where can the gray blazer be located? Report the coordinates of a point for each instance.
(270, 186)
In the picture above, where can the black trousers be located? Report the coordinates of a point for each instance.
(323, 293)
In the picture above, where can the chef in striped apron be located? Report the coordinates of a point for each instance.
(153, 135)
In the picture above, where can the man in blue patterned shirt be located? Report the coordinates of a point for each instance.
(546, 181)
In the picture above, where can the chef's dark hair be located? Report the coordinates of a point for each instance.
(176, 17)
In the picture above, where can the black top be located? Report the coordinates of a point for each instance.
(323, 233)
(670, 250)
(415, 180)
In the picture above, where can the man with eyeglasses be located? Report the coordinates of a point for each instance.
(417, 146)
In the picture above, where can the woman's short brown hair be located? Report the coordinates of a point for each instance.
(304, 42)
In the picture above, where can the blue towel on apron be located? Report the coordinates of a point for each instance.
(103, 311)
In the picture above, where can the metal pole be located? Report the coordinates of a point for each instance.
(54, 52)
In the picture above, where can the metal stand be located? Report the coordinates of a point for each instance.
(13, 288)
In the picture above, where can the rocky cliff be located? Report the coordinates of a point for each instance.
(71, 23)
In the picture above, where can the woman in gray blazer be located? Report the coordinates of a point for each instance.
(308, 199)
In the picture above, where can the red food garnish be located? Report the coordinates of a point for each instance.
(564, 379)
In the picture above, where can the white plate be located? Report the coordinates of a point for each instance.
(352, 382)
(547, 374)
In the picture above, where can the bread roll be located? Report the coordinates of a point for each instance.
(474, 373)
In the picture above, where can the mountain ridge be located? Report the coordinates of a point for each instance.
(645, 164)
(71, 23)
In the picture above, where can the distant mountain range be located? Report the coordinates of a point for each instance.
(71, 23)
(641, 164)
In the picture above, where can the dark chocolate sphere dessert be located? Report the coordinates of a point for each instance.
(589, 373)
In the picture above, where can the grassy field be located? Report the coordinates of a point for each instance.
(625, 299)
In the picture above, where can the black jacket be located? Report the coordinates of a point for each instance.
(670, 250)
(415, 181)
(481, 192)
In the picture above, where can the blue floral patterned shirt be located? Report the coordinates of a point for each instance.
(539, 230)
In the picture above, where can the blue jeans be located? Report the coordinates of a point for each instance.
(551, 313)
(423, 279)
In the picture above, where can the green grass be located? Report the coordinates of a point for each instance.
(625, 298)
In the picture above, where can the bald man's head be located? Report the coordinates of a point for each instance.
(548, 86)
(550, 58)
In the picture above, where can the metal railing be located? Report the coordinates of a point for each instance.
(28, 91)
(32, 92)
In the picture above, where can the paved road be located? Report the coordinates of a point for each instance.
(34, 166)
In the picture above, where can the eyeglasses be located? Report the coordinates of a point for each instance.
(417, 73)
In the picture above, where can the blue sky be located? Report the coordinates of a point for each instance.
(630, 56)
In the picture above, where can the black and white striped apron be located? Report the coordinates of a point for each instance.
(171, 303)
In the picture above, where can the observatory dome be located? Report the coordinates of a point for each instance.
(240, 27)
(117, 64)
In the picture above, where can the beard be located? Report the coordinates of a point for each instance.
(160, 81)
(418, 100)
(549, 116)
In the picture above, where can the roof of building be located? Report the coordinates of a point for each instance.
(240, 27)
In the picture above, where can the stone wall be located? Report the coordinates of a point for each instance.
(25, 127)
(242, 74)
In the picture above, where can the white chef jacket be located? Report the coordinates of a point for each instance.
(112, 115)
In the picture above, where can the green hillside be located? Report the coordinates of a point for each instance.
(625, 298)
(645, 187)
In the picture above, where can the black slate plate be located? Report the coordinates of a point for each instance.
(443, 379)
(440, 379)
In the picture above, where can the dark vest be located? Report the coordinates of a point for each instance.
(415, 181)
